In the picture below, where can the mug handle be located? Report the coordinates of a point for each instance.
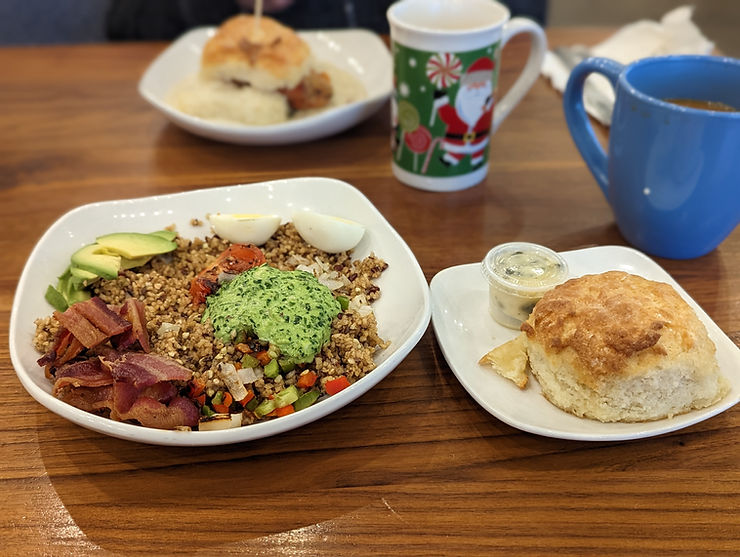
(531, 70)
(578, 123)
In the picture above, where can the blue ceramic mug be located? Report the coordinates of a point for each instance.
(672, 175)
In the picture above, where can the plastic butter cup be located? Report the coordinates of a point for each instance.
(518, 275)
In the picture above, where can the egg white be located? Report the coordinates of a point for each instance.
(244, 228)
(327, 233)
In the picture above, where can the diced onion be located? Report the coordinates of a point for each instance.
(228, 373)
(249, 375)
(165, 328)
(220, 421)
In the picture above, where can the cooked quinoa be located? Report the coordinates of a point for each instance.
(176, 328)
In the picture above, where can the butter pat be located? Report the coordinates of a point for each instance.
(518, 274)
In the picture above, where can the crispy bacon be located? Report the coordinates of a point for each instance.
(89, 399)
(132, 311)
(64, 349)
(131, 385)
(144, 370)
(96, 312)
(84, 331)
(151, 413)
(88, 373)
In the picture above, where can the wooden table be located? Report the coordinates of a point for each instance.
(414, 466)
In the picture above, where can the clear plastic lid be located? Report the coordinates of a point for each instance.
(524, 267)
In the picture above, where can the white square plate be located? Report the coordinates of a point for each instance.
(359, 52)
(466, 331)
(402, 312)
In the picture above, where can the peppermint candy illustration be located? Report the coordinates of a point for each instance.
(443, 69)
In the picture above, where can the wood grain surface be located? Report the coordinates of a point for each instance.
(413, 467)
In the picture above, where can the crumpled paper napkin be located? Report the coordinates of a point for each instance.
(675, 33)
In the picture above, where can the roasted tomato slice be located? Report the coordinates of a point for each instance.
(234, 259)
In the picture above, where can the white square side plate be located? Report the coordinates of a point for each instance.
(403, 310)
(465, 331)
(357, 51)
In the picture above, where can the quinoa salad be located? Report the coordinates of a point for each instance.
(163, 361)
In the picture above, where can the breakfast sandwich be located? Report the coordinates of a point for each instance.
(263, 54)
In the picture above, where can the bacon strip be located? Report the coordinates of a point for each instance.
(84, 331)
(88, 373)
(96, 312)
(132, 311)
(144, 370)
(89, 399)
(152, 413)
(65, 348)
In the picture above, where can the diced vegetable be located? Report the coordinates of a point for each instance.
(287, 396)
(252, 404)
(265, 407)
(220, 421)
(306, 380)
(249, 374)
(284, 411)
(222, 406)
(230, 376)
(272, 369)
(196, 387)
(306, 400)
(343, 302)
(263, 357)
(286, 364)
(250, 361)
(335, 385)
(248, 398)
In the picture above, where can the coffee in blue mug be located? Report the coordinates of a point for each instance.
(672, 173)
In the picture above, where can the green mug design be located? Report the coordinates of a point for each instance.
(442, 109)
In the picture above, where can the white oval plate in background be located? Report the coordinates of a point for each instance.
(402, 312)
(465, 332)
(357, 51)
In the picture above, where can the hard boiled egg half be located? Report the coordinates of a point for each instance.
(327, 233)
(244, 228)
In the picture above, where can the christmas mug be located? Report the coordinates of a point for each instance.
(446, 57)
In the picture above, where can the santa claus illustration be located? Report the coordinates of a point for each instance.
(469, 119)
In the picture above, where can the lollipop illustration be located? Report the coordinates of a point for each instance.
(408, 119)
(443, 69)
(418, 141)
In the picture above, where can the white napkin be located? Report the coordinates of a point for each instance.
(676, 33)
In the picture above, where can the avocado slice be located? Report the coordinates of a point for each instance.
(168, 235)
(82, 274)
(89, 258)
(134, 244)
(127, 263)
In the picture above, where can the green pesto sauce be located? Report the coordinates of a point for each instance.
(289, 309)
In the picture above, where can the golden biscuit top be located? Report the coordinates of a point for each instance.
(614, 323)
(269, 47)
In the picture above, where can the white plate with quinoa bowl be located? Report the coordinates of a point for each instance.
(360, 57)
(466, 331)
(402, 311)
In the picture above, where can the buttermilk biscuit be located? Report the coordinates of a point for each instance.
(268, 56)
(616, 347)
